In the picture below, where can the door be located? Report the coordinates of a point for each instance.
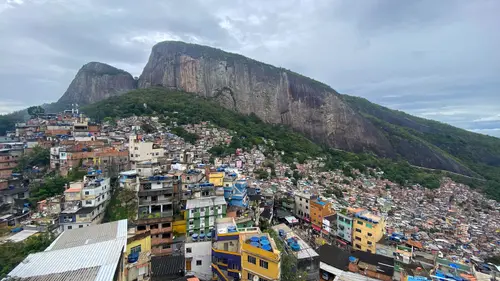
(188, 265)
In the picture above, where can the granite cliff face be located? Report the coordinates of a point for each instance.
(96, 81)
(279, 96)
(274, 94)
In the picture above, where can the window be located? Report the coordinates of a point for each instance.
(188, 250)
(70, 227)
(191, 222)
(226, 247)
(307, 207)
(198, 262)
(136, 148)
(166, 247)
(88, 202)
(358, 246)
(307, 201)
(264, 264)
(369, 234)
(250, 276)
(358, 230)
(136, 249)
(358, 238)
(360, 222)
(252, 260)
(370, 243)
(167, 224)
(80, 226)
(87, 192)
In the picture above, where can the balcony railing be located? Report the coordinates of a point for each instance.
(158, 241)
(153, 202)
(157, 215)
(161, 230)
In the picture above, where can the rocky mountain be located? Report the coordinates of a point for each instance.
(96, 81)
(280, 96)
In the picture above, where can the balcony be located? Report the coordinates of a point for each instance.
(145, 202)
(158, 241)
(161, 230)
(161, 252)
(165, 214)
(156, 191)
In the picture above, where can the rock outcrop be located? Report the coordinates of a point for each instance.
(274, 94)
(96, 81)
(279, 96)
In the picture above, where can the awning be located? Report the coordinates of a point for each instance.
(341, 242)
(317, 228)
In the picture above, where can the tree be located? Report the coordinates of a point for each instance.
(38, 156)
(288, 267)
(12, 253)
(35, 111)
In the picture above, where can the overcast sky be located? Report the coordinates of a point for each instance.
(435, 59)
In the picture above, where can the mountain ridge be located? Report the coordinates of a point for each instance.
(280, 96)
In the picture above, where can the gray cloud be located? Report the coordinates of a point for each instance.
(435, 59)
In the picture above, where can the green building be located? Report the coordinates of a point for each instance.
(201, 213)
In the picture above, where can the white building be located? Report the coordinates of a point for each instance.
(302, 205)
(141, 151)
(85, 202)
(198, 256)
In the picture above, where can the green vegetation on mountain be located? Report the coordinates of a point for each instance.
(188, 109)
(479, 153)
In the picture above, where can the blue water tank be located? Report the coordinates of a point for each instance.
(133, 257)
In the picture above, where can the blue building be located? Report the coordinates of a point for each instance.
(236, 194)
(226, 256)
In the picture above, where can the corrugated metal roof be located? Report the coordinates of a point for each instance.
(105, 256)
(90, 235)
(83, 274)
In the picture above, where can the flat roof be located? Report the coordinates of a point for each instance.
(21, 236)
(73, 189)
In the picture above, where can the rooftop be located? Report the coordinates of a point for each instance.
(90, 235)
(167, 266)
(77, 256)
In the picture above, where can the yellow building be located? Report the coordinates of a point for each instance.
(367, 230)
(256, 261)
(216, 178)
(138, 256)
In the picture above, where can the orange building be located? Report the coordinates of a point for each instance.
(318, 210)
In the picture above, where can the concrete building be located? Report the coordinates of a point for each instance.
(138, 256)
(201, 214)
(307, 257)
(368, 229)
(260, 258)
(302, 210)
(158, 199)
(85, 202)
(226, 254)
(198, 254)
(140, 150)
(318, 210)
(344, 227)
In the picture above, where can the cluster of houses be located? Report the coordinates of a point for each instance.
(201, 217)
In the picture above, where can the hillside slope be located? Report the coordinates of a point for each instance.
(186, 108)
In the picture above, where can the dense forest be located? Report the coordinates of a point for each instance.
(250, 131)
